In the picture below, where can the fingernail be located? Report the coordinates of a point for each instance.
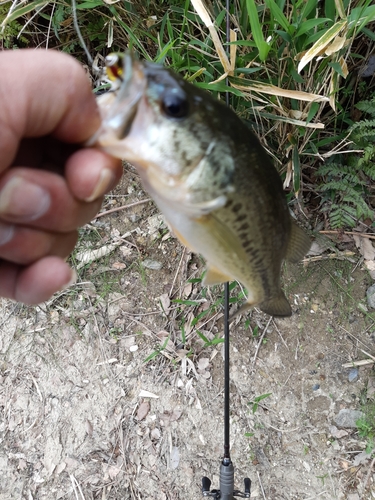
(23, 200)
(6, 233)
(105, 181)
(73, 279)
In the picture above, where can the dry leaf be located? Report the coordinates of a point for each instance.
(337, 433)
(370, 266)
(143, 410)
(147, 394)
(118, 266)
(88, 256)
(175, 457)
(187, 290)
(125, 250)
(164, 302)
(336, 45)
(203, 363)
(365, 247)
(361, 458)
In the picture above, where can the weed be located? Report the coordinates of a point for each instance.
(366, 424)
(255, 403)
(348, 179)
(322, 478)
(156, 353)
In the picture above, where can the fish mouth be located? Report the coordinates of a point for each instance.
(118, 108)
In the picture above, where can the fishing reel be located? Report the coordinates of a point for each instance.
(226, 491)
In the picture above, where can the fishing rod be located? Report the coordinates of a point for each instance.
(226, 490)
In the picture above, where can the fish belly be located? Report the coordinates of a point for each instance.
(222, 253)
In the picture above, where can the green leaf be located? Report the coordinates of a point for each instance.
(312, 111)
(89, 5)
(219, 87)
(320, 44)
(36, 5)
(308, 25)
(296, 170)
(256, 30)
(279, 16)
(337, 67)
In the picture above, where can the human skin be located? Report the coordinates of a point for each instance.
(49, 184)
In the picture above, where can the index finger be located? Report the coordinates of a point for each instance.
(43, 92)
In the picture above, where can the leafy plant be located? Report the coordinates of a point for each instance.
(347, 179)
(366, 424)
(255, 403)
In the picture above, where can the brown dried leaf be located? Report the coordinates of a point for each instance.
(203, 363)
(143, 410)
(365, 247)
(118, 266)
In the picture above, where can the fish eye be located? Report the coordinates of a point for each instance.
(175, 106)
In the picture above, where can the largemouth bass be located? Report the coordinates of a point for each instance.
(207, 173)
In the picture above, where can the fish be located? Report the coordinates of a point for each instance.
(207, 173)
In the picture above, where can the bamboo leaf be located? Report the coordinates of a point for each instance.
(308, 25)
(320, 45)
(279, 16)
(36, 5)
(256, 30)
(293, 121)
(340, 9)
(266, 88)
(296, 171)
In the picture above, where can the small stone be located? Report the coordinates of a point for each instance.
(152, 264)
(353, 375)
(316, 387)
(353, 496)
(371, 296)
(347, 418)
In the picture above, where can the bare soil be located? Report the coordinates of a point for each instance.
(109, 392)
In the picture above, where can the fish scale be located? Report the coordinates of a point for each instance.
(207, 173)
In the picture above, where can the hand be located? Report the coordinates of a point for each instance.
(49, 185)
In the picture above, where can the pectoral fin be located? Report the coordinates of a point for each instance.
(214, 277)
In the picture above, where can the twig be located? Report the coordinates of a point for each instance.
(261, 486)
(318, 495)
(355, 233)
(178, 270)
(261, 340)
(340, 256)
(367, 477)
(361, 362)
(354, 337)
(122, 208)
(367, 354)
(282, 430)
(278, 331)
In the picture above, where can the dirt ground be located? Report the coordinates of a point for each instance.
(110, 391)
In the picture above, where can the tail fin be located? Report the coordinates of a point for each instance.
(278, 306)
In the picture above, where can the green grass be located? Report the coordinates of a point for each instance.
(366, 424)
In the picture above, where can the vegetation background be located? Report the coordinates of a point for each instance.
(302, 76)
